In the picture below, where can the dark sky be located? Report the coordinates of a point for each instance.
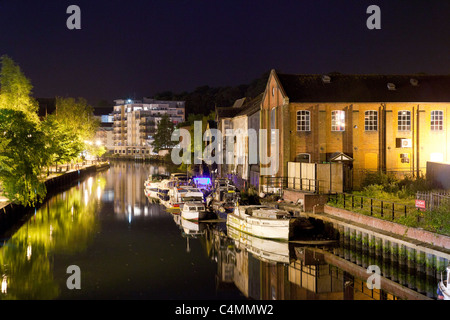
(138, 48)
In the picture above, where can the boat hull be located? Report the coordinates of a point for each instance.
(193, 215)
(264, 249)
(280, 229)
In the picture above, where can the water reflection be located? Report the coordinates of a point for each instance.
(126, 180)
(265, 269)
(65, 223)
(128, 247)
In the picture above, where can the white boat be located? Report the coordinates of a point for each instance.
(262, 221)
(151, 185)
(182, 194)
(163, 191)
(151, 190)
(193, 211)
(444, 286)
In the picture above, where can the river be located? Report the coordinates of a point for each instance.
(123, 246)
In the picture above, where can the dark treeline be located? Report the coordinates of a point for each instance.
(204, 99)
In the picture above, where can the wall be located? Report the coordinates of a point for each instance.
(387, 226)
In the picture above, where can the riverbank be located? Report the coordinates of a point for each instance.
(11, 214)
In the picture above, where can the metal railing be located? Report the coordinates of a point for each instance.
(277, 184)
(371, 206)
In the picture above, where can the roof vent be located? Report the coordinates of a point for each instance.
(326, 79)
(414, 82)
(391, 86)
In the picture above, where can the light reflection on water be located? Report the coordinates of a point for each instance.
(129, 248)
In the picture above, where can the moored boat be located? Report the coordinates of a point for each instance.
(262, 221)
(224, 198)
(193, 211)
(182, 194)
(152, 183)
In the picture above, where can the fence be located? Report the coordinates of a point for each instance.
(276, 185)
(373, 207)
(434, 199)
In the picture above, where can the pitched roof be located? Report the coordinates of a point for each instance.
(366, 88)
(252, 106)
(226, 112)
(239, 102)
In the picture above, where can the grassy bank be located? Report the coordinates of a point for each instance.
(386, 197)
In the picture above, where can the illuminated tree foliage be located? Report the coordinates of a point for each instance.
(22, 157)
(16, 89)
(76, 117)
(62, 146)
(27, 145)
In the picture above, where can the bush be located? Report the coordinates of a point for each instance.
(250, 196)
(387, 180)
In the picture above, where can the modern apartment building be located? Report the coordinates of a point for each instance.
(136, 121)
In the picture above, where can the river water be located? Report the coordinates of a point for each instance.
(123, 246)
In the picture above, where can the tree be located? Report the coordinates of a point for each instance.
(22, 150)
(163, 134)
(22, 143)
(76, 117)
(16, 89)
(62, 146)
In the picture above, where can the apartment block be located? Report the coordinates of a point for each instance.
(136, 122)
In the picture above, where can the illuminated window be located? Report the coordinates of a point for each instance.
(371, 120)
(273, 125)
(303, 121)
(437, 120)
(338, 120)
(404, 120)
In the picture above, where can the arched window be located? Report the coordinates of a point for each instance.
(303, 157)
(273, 124)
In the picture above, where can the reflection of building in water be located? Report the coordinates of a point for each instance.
(312, 278)
(266, 269)
(128, 185)
(303, 273)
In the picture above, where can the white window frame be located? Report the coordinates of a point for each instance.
(303, 120)
(404, 120)
(439, 117)
(371, 120)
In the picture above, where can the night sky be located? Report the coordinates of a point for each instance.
(139, 48)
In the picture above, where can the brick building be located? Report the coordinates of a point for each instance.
(388, 123)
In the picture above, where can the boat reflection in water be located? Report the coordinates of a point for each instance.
(267, 269)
